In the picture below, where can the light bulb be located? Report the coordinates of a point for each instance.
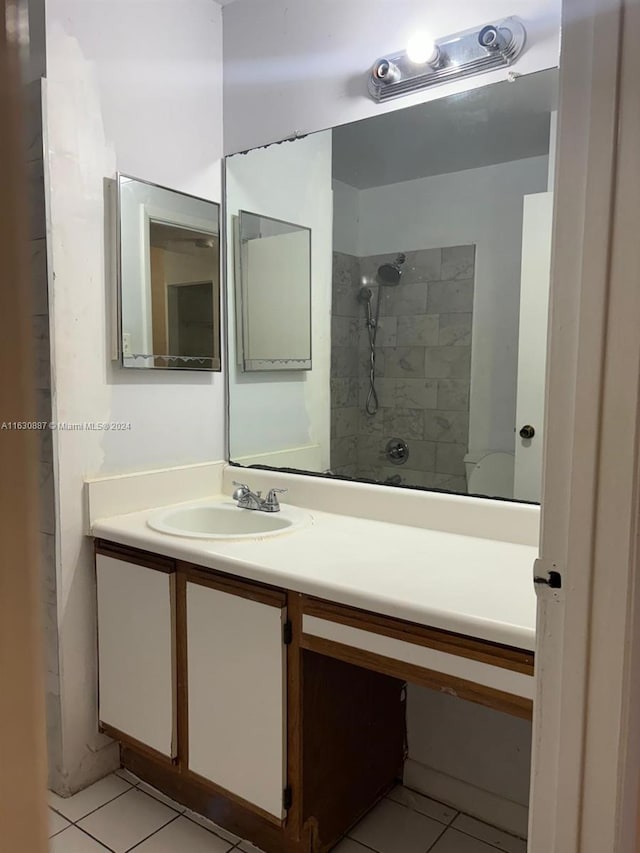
(422, 49)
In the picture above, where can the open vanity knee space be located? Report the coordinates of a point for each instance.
(269, 693)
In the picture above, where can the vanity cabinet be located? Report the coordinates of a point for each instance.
(236, 676)
(136, 650)
(278, 715)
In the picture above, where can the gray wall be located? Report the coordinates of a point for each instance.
(423, 367)
(32, 102)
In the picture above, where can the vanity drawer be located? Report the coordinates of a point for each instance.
(483, 672)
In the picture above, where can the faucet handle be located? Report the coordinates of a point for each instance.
(241, 492)
(272, 497)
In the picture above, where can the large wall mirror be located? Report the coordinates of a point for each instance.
(169, 273)
(430, 265)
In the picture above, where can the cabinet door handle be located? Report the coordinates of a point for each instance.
(527, 431)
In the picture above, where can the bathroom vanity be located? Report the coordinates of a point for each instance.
(262, 682)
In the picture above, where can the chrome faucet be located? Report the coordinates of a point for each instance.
(254, 500)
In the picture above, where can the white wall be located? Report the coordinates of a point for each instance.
(303, 66)
(477, 758)
(274, 411)
(481, 206)
(135, 87)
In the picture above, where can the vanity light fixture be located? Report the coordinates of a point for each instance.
(428, 63)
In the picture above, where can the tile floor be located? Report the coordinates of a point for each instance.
(121, 814)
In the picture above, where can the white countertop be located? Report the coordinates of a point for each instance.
(478, 587)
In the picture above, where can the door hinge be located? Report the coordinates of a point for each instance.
(287, 633)
(287, 798)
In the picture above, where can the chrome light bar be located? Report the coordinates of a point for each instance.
(472, 52)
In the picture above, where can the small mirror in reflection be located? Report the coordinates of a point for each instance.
(273, 297)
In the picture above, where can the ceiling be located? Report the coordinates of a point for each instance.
(494, 124)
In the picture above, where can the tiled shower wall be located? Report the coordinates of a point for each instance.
(347, 320)
(423, 367)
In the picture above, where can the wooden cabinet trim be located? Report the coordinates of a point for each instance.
(134, 555)
(294, 820)
(136, 745)
(213, 803)
(469, 690)
(182, 660)
(208, 785)
(261, 593)
(483, 651)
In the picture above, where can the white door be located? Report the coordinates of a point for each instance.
(236, 688)
(136, 652)
(532, 346)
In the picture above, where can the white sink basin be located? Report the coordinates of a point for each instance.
(225, 520)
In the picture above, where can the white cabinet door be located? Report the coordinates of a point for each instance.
(236, 689)
(532, 347)
(136, 652)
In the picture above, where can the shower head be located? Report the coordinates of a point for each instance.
(389, 275)
(364, 294)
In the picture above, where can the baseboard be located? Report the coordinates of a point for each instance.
(484, 805)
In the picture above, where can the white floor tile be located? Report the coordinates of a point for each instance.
(499, 839)
(422, 804)
(73, 840)
(392, 828)
(127, 821)
(348, 845)
(128, 776)
(56, 823)
(455, 842)
(76, 807)
(158, 795)
(212, 827)
(183, 836)
(249, 848)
